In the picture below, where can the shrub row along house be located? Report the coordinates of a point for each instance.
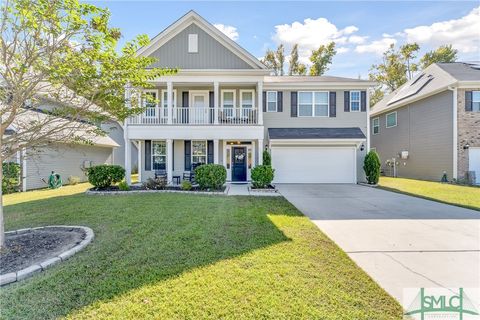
(224, 107)
(431, 125)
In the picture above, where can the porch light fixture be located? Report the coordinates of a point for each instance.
(362, 147)
(466, 146)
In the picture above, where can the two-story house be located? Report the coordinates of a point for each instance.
(224, 107)
(431, 125)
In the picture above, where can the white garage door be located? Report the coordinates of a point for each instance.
(474, 162)
(314, 164)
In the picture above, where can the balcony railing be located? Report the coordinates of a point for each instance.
(197, 116)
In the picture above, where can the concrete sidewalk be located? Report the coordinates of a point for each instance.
(400, 241)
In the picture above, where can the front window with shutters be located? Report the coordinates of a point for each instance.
(354, 101)
(246, 101)
(476, 101)
(159, 155)
(150, 103)
(199, 152)
(391, 119)
(313, 104)
(271, 101)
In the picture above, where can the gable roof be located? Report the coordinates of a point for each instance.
(193, 17)
(434, 79)
(315, 133)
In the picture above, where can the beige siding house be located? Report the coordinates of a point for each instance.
(431, 125)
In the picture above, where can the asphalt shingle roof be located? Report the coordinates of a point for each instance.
(316, 133)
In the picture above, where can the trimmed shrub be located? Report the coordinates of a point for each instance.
(186, 185)
(158, 183)
(73, 180)
(211, 176)
(371, 166)
(105, 175)
(262, 176)
(267, 158)
(123, 186)
(11, 177)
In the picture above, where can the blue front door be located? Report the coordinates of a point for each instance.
(239, 164)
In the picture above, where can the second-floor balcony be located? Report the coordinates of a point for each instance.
(196, 116)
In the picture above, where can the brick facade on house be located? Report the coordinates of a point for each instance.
(468, 131)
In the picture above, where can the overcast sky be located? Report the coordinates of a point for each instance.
(361, 30)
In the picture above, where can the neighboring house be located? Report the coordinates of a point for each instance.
(224, 107)
(65, 159)
(115, 131)
(431, 124)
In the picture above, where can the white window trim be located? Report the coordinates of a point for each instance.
(253, 98)
(359, 101)
(152, 155)
(234, 97)
(174, 97)
(474, 101)
(191, 150)
(373, 126)
(144, 103)
(267, 101)
(192, 43)
(386, 119)
(313, 105)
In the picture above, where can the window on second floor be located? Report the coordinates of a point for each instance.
(165, 101)
(376, 125)
(313, 104)
(247, 102)
(354, 101)
(391, 119)
(150, 103)
(476, 101)
(271, 101)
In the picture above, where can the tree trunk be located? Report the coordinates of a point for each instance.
(2, 227)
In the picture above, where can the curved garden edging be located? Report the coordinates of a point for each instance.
(105, 193)
(38, 267)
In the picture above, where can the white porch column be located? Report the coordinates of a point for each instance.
(24, 169)
(260, 151)
(170, 101)
(216, 92)
(260, 101)
(128, 161)
(215, 151)
(169, 161)
(139, 160)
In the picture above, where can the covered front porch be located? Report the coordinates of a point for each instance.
(179, 157)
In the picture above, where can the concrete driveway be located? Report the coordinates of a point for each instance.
(400, 241)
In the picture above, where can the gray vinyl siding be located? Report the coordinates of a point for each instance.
(211, 53)
(66, 160)
(424, 129)
(343, 119)
(115, 131)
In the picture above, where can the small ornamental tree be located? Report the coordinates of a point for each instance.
(371, 166)
(267, 158)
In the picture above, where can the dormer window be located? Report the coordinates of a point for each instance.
(193, 43)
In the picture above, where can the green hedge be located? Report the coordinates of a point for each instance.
(211, 176)
(371, 166)
(262, 176)
(105, 175)
(11, 177)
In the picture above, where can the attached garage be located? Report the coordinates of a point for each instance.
(315, 155)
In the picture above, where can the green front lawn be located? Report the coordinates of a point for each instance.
(167, 256)
(463, 196)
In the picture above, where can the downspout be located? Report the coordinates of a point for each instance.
(24, 169)
(455, 131)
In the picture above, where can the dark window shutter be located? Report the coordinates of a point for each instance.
(188, 153)
(293, 104)
(185, 105)
(468, 101)
(333, 104)
(211, 102)
(210, 151)
(279, 101)
(346, 101)
(148, 155)
(173, 155)
(363, 100)
(264, 101)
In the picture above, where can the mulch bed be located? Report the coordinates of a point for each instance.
(141, 187)
(33, 247)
